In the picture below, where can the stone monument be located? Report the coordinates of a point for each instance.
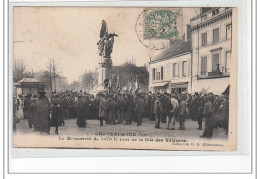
(105, 48)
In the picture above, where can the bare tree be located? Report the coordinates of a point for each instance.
(19, 70)
(89, 80)
(56, 75)
(48, 74)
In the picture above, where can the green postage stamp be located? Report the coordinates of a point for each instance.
(161, 24)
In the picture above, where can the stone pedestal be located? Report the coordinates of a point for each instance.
(104, 71)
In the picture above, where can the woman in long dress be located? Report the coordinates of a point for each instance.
(19, 111)
(81, 107)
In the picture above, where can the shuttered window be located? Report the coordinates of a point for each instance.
(228, 31)
(204, 39)
(216, 35)
(215, 63)
(203, 70)
(153, 74)
(228, 62)
(174, 70)
(184, 68)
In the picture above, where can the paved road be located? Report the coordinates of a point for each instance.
(147, 127)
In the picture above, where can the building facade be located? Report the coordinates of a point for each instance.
(202, 63)
(211, 34)
(170, 70)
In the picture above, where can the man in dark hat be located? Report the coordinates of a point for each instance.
(148, 101)
(182, 112)
(139, 109)
(120, 111)
(157, 111)
(43, 113)
(57, 117)
(164, 100)
(112, 109)
(174, 111)
(81, 122)
(197, 109)
(102, 109)
(168, 112)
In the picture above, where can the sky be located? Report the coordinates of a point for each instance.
(69, 36)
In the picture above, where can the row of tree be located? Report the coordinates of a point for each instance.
(126, 76)
(51, 76)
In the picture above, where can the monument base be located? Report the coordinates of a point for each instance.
(99, 89)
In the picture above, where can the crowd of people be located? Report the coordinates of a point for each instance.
(44, 112)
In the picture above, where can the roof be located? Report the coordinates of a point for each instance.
(29, 80)
(175, 49)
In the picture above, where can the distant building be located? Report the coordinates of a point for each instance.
(211, 49)
(169, 71)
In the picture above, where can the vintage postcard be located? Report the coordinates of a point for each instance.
(124, 78)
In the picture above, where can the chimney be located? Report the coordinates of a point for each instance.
(188, 36)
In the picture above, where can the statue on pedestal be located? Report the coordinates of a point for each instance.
(105, 48)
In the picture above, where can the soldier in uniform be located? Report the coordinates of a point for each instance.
(139, 109)
(112, 109)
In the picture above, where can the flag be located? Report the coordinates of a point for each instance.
(130, 82)
(110, 82)
(136, 84)
(118, 82)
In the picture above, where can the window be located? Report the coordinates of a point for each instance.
(157, 75)
(174, 70)
(204, 17)
(216, 35)
(228, 62)
(203, 70)
(153, 74)
(215, 12)
(184, 69)
(162, 71)
(215, 63)
(204, 39)
(228, 31)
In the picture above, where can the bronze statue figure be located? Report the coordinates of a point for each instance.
(105, 44)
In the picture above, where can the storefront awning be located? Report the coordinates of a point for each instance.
(179, 85)
(215, 86)
(161, 84)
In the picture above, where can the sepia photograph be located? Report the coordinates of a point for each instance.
(152, 78)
